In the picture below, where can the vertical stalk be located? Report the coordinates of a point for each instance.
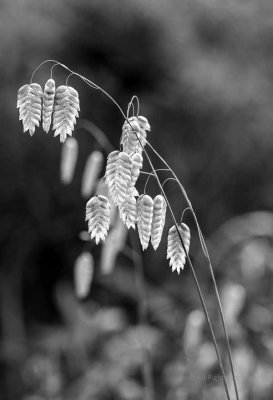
(204, 247)
(141, 304)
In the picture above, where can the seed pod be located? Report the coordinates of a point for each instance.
(118, 175)
(29, 102)
(69, 155)
(175, 251)
(133, 137)
(113, 245)
(91, 173)
(83, 274)
(48, 103)
(98, 217)
(144, 219)
(158, 223)
(128, 212)
(137, 162)
(65, 111)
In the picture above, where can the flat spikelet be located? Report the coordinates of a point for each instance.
(69, 156)
(158, 222)
(137, 162)
(175, 251)
(128, 212)
(91, 172)
(132, 136)
(118, 175)
(98, 217)
(145, 206)
(83, 274)
(29, 102)
(65, 112)
(48, 103)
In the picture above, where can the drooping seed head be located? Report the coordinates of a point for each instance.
(118, 175)
(48, 103)
(159, 215)
(29, 102)
(175, 251)
(128, 212)
(66, 110)
(145, 206)
(98, 217)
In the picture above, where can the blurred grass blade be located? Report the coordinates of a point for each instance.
(91, 173)
(69, 156)
(83, 274)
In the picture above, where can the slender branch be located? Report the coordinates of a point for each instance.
(194, 277)
(205, 250)
(141, 301)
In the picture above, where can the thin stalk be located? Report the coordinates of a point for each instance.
(141, 301)
(204, 247)
(194, 277)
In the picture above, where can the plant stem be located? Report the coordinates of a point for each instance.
(204, 247)
(194, 276)
(141, 301)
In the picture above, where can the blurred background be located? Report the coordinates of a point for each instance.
(202, 70)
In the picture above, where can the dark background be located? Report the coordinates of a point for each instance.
(203, 73)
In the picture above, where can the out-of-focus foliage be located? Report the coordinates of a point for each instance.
(203, 73)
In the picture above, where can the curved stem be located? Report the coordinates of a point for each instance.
(205, 250)
(151, 174)
(142, 316)
(194, 277)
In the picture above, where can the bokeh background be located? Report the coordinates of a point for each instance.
(203, 72)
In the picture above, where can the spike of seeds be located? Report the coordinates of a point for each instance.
(132, 136)
(118, 175)
(128, 212)
(158, 222)
(65, 111)
(175, 251)
(29, 102)
(144, 219)
(48, 103)
(98, 217)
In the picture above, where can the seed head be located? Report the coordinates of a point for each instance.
(159, 215)
(65, 111)
(98, 217)
(48, 103)
(145, 206)
(118, 175)
(29, 102)
(175, 251)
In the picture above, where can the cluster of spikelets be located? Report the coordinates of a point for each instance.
(57, 106)
(122, 171)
